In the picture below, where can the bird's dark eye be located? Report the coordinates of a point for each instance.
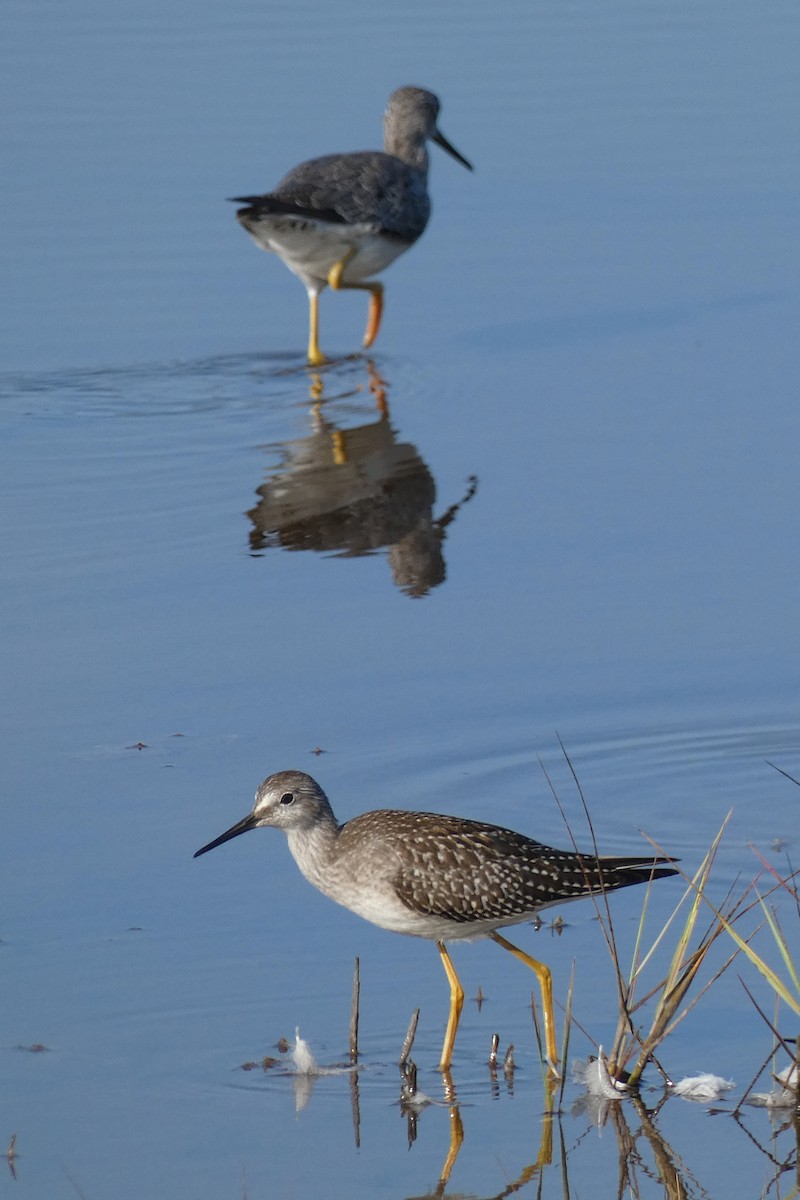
(287, 798)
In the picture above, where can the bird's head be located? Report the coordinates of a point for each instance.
(288, 800)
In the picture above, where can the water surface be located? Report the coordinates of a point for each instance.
(559, 501)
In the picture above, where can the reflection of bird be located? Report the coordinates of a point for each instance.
(343, 218)
(352, 492)
(437, 877)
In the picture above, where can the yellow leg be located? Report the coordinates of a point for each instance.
(375, 311)
(315, 355)
(546, 989)
(375, 296)
(456, 1005)
(337, 270)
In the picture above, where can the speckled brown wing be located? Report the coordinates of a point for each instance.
(470, 871)
(467, 871)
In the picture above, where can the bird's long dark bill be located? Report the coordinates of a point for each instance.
(442, 141)
(243, 826)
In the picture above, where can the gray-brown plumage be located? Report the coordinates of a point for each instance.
(433, 876)
(343, 218)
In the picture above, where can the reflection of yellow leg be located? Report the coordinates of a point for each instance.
(545, 1157)
(546, 989)
(377, 386)
(316, 389)
(339, 447)
(456, 1005)
(456, 1138)
(375, 295)
(315, 355)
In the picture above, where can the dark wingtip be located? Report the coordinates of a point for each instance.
(665, 872)
(278, 206)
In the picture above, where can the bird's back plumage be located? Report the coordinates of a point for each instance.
(466, 872)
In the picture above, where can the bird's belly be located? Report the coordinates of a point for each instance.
(382, 907)
(311, 248)
(386, 910)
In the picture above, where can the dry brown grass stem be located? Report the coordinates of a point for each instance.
(354, 1008)
(408, 1040)
(565, 1043)
(689, 955)
(668, 998)
(789, 992)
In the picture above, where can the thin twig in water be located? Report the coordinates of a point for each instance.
(604, 916)
(355, 1108)
(684, 965)
(408, 1040)
(567, 1026)
(782, 772)
(74, 1184)
(779, 1038)
(354, 1013)
(752, 1083)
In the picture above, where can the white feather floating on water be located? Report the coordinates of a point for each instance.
(703, 1088)
(304, 1061)
(418, 1100)
(785, 1095)
(306, 1064)
(594, 1076)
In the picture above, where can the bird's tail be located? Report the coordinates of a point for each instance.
(611, 872)
(274, 206)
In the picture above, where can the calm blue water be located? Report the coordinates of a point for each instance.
(599, 327)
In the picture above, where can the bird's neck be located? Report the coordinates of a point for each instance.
(313, 848)
(412, 151)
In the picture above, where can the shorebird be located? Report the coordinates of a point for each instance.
(439, 877)
(343, 218)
